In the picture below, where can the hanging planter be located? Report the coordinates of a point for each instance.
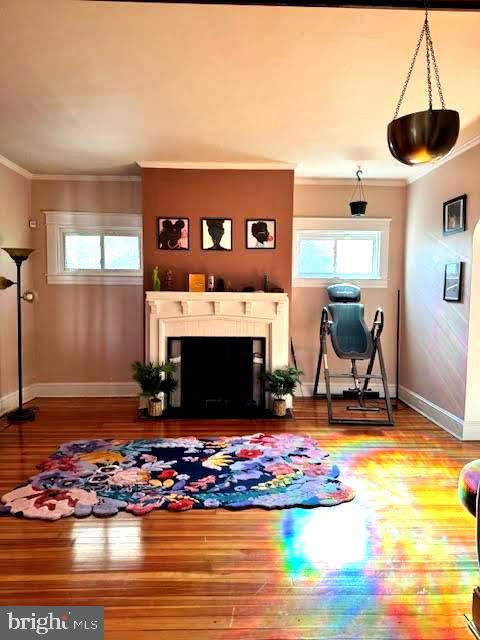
(423, 136)
(358, 202)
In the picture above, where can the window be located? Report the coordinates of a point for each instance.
(101, 252)
(330, 250)
(92, 248)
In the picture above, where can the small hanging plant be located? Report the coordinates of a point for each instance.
(358, 201)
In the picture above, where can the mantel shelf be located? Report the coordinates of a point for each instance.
(211, 296)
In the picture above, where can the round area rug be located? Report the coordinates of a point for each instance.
(102, 477)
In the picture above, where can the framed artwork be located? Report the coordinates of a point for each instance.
(454, 215)
(260, 233)
(452, 287)
(216, 234)
(174, 234)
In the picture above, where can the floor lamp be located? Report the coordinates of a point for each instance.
(19, 256)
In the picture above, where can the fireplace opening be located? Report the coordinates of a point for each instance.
(217, 376)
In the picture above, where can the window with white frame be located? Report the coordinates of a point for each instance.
(327, 250)
(94, 248)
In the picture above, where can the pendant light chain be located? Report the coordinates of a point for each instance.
(430, 54)
(412, 64)
(427, 53)
(428, 36)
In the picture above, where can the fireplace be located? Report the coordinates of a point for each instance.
(217, 376)
(192, 329)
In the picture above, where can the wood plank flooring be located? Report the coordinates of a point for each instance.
(397, 563)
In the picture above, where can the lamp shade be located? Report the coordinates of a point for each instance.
(424, 136)
(18, 254)
(5, 283)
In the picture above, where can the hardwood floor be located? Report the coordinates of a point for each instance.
(397, 563)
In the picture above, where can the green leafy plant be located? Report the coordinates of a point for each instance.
(154, 378)
(282, 382)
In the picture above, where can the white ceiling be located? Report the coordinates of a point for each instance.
(90, 87)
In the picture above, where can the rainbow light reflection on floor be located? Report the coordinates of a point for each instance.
(398, 562)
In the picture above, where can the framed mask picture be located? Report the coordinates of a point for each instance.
(452, 286)
(216, 234)
(454, 215)
(260, 233)
(174, 234)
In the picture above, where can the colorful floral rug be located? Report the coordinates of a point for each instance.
(103, 477)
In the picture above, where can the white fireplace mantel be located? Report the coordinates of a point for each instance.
(172, 314)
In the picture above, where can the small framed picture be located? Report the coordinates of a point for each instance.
(174, 234)
(216, 234)
(260, 233)
(455, 215)
(196, 282)
(452, 288)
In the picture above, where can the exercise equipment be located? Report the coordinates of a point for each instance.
(343, 320)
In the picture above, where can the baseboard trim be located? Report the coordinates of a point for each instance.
(86, 389)
(449, 422)
(9, 402)
(305, 390)
(441, 417)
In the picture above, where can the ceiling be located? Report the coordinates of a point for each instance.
(93, 87)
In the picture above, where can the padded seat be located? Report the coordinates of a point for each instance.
(351, 337)
(468, 483)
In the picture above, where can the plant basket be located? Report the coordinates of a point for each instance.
(358, 208)
(279, 407)
(155, 407)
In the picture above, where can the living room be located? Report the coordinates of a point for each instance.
(231, 290)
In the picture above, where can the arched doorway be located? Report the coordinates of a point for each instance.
(471, 427)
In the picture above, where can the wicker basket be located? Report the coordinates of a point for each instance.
(155, 407)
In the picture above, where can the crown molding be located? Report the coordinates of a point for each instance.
(456, 151)
(65, 177)
(15, 167)
(252, 166)
(84, 178)
(349, 182)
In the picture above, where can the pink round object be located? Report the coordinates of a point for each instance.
(468, 484)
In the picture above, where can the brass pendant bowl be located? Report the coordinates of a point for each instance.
(424, 136)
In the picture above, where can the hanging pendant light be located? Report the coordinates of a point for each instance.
(358, 202)
(423, 136)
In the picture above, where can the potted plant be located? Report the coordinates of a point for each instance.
(281, 383)
(155, 380)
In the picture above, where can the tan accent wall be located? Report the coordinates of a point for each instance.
(435, 336)
(332, 201)
(85, 333)
(90, 333)
(15, 232)
(236, 194)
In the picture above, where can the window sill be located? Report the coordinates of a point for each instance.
(68, 278)
(380, 283)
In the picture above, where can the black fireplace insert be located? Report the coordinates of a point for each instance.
(217, 376)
